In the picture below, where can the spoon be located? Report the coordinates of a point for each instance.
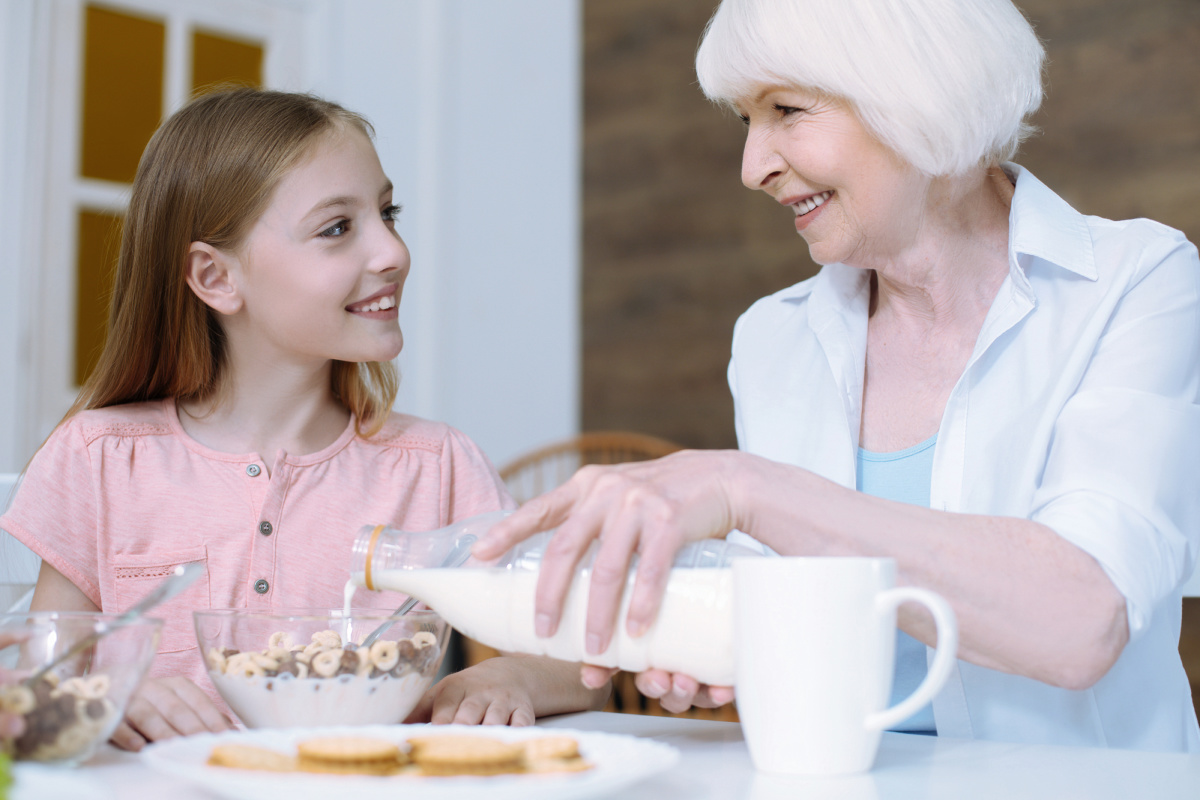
(181, 578)
(455, 558)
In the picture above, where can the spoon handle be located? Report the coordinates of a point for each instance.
(179, 579)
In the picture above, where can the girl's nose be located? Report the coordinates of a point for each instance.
(391, 253)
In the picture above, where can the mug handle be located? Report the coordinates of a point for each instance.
(943, 657)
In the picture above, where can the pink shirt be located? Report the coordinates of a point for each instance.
(119, 496)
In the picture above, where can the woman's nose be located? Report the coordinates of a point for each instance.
(761, 163)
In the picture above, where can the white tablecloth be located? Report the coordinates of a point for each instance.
(716, 764)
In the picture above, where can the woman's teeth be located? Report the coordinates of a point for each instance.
(382, 304)
(808, 204)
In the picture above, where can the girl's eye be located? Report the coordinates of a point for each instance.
(391, 212)
(787, 110)
(337, 229)
(745, 120)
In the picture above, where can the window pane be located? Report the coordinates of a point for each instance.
(218, 60)
(122, 91)
(99, 244)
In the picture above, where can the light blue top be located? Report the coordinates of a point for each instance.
(903, 476)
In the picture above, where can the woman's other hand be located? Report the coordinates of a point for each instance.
(675, 692)
(652, 508)
(162, 708)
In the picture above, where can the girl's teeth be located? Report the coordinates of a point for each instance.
(374, 306)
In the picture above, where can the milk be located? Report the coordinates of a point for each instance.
(693, 633)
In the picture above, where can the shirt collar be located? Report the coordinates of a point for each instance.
(1041, 224)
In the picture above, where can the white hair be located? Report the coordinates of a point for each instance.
(946, 84)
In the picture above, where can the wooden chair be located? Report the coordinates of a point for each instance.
(551, 466)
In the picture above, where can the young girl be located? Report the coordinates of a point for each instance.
(240, 413)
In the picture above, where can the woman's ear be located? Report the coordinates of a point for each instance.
(211, 275)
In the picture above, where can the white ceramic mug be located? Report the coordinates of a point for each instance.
(815, 642)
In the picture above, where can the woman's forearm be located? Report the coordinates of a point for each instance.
(1028, 601)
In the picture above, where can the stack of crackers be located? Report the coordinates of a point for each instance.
(435, 755)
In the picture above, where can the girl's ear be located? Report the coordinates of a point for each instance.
(211, 275)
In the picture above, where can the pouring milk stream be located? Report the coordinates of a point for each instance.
(494, 603)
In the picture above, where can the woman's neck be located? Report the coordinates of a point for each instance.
(266, 408)
(949, 272)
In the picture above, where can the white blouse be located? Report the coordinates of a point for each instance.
(1078, 409)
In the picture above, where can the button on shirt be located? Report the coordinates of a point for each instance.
(1077, 409)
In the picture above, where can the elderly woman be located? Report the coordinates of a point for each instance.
(991, 388)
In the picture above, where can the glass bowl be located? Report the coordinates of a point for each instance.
(75, 707)
(305, 668)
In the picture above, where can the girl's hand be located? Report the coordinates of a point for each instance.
(165, 707)
(652, 508)
(493, 692)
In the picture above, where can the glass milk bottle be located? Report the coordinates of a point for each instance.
(493, 602)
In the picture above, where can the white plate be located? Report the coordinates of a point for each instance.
(619, 761)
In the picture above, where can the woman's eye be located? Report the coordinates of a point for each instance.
(787, 110)
(391, 212)
(745, 120)
(337, 229)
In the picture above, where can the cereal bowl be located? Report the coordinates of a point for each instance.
(304, 667)
(75, 707)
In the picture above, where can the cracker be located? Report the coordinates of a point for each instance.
(465, 755)
(349, 749)
(550, 747)
(241, 756)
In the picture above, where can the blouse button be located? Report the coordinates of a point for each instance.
(253, 470)
(261, 586)
(265, 528)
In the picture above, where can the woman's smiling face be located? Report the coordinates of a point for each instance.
(856, 202)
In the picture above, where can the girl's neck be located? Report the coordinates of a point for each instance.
(268, 409)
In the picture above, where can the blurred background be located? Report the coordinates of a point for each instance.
(582, 244)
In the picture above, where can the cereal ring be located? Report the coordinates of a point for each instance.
(216, 659)
(96, 687)
(325, 664)
(266, 662)
(281, 639)
(244, 665)
(327, 639)
(17, 699)
(303, 656)
(423, 639)
(280, 654)
(385, 655)
(76, 686)
(301, 670)
(235, 662)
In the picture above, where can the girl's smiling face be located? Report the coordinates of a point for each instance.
(855, 201)
(321, 272)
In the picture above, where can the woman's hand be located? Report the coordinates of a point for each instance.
(674, 692)
(165, 707)
(509, 690)
(652, 508)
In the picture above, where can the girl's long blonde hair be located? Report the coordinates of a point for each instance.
(207, 175)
